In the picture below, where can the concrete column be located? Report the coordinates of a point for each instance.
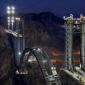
(69, 43)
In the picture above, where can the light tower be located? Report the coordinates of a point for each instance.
(69, 42)
(10, 16)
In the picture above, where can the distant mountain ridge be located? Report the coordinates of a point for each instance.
(43, 17)
(43, 30)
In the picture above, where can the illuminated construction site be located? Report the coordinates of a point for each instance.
(33, 61)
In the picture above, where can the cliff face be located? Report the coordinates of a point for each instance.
(5, 58)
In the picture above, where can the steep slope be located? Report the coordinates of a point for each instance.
(44, 30)
(5, 59)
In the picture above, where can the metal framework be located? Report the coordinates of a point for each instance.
(52, 78)
(78, 73)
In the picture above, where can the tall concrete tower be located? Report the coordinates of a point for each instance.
(69, 42)
(82, 18)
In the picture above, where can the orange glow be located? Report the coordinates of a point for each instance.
(61, 61)
(58, 61)
(76, 53)
(77, 62)
(53, 61)
(55, 54)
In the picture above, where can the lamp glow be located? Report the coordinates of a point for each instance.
(17, 18)
(9, 21)
(13, 8)
(19, 53)
(8, 8)
(8, 12)
(12, 20)
(8, 18)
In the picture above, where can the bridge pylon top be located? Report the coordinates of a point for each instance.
(75, 21)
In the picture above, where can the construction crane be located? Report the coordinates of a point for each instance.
(37, 55)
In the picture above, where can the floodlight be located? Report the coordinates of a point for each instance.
(17, 18)
(9, 20)
(19, 53)
(12, 20)
(13, 8)
(8, 12)
(8, 8)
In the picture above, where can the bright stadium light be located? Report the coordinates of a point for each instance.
(11, 19)
(13, 8)
(8, 8)
(8, 12)
(8, 18)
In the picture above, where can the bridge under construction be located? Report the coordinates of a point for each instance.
(35, 58)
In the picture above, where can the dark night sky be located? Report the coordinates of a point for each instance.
(59, 7)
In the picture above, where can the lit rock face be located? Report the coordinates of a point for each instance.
(5, 59)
